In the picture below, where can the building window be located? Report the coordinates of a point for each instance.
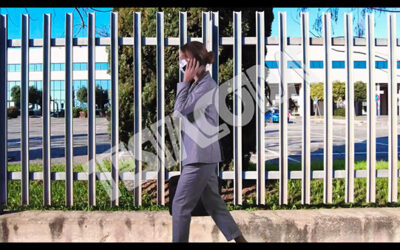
(101, 66)
(11, 84)
(271, 64)
(14, 68)
(398, 64)
(360, 64)
(104, 84)
(36, 84)
(294, 65)
(57, 94)
(381, 64)
(80, 66)
(57, 67)
(338, 64)
(316, 64)
(77, 85)
(35, 67)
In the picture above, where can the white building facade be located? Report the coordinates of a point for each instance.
(79, 67)
(316, 54)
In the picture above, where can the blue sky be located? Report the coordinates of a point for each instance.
(293, 21)
(58, 21)
(103, 20)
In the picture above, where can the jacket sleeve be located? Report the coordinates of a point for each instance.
(186, 102)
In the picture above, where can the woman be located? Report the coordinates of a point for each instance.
(195, 103)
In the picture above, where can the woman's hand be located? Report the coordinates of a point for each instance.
(191, 71)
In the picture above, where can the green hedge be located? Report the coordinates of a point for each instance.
(12, 112)
(339, 112)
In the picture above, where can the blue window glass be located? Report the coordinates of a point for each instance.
(80, 66)
(398, 64)
(33, 67)
(101, 66)
(57, 67)
(360, 64)
(14, 68)
(76, 66)
(381, 64)
(338, 64)
(104, 84)
(271, 64)
(316, 64)
(36, 84)
(78, 84)
(294, 65)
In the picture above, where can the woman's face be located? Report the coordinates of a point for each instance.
(185, 56)
(188, 56)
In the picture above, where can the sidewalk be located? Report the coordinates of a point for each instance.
(314, 225)
(358, 120)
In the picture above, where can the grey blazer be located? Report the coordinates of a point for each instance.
(197, 106)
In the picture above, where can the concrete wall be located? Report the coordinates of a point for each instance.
(355, 224)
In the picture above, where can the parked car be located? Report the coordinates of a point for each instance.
(272, 115)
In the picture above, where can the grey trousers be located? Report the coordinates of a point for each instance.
(199, 181)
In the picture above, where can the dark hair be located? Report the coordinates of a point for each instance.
(199, 51)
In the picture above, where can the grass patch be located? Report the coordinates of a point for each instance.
(126, 199)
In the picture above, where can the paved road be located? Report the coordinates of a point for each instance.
(271, 137)
(80, 127)
(317, 138)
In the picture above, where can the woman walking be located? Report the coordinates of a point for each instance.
(196, 103)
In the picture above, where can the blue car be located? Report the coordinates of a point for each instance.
(273, 116)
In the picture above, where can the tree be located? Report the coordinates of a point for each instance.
(16, 96)
(35, 96)
(101, 96)
(317, 91)
(171, 29)
(360, 91)
(338, 91)
(81, 95)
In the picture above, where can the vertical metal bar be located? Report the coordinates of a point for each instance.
(3, 110)
(283, 113)
(46, 110)
(138, 107)
(328, 108)
(215, 44)
(215, 49)
(237, 106)
(92, 108)
(393, 151)
(260, 100)
(160, 110)
(24, 109)
(114, 109)
(68, 111)
(206, 29)
(183, 39)
(306, 137)
(371, 106)
(349, 193)
(207, 34)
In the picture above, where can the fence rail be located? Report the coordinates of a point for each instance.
(210, 37)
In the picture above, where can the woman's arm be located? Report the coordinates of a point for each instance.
(187, 103)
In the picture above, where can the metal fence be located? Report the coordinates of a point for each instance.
(210, 37)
